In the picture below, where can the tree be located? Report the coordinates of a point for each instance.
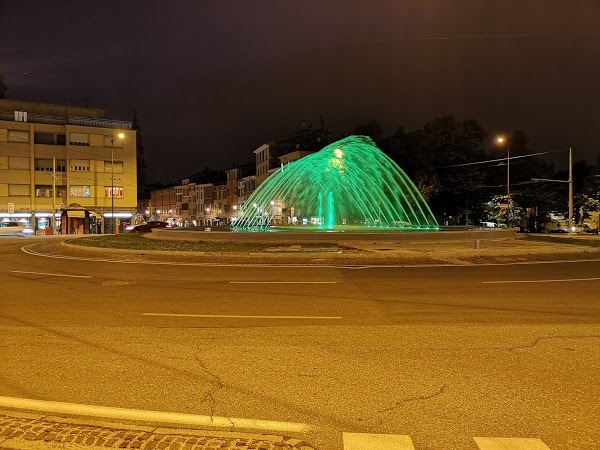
(372, 129)
(497, 210)
(537, 199)
(434, 157)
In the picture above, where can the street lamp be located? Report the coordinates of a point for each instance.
(120, 136)
(501, 140)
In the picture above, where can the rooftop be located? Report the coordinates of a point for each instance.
(51, 114)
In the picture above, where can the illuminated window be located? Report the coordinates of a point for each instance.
(118, 191)
(43, 191)
(80, 191)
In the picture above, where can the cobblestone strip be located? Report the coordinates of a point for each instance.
(44, 431)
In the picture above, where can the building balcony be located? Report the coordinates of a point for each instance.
(71, 120)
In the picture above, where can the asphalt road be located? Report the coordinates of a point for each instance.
(442, 354)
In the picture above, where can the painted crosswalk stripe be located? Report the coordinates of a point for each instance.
(364, 441)
(510, 444)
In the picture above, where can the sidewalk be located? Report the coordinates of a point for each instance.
(33, 431)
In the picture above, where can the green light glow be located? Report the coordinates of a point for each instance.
(350, 182)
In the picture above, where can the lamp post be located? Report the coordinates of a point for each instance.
(501, 140)
(120, 136)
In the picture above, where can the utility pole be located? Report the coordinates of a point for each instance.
(53, 215)
(120, 136)
(112, 188)
(508, 185)
(570, 182)
(570, 191)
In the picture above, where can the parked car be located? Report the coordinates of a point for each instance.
(147, 227)
(583, 228)
(14, 229)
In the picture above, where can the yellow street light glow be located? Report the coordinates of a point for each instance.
(121, 135)
(500, 140)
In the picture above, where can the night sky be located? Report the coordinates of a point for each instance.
(213, 80)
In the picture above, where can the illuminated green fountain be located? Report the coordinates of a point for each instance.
(348, 183)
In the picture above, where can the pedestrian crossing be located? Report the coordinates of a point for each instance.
(367, 441)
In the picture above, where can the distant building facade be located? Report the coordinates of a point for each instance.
(67, 162)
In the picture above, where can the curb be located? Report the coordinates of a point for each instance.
(22, 430)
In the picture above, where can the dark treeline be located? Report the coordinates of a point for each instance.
(467, 193)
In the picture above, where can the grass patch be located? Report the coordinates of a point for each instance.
(136, 241)
(565, 240)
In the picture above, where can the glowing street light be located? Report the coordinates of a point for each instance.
(501, 140)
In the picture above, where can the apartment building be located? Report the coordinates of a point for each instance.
(246, 187)
(300, 144)
(187, 203)
(163, 203)
(205, 211)
(69, 161)
(234, 176)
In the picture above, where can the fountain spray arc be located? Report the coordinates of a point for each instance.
(348, 183)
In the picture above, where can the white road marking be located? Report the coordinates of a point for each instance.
(51, 274)
(510, 444)
(541, 281)
(364, 441)
(283, 282)
(224, 316)
(109, 412)
(27, 250)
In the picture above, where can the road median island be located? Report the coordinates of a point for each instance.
(21, 430)
(338, 251)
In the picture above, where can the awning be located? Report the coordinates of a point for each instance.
(78, 214)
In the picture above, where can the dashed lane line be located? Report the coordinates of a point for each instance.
(51, 274)
(147, 416)
(365, 441)
(283, 282)
(510, 444)
(541, 281)
(225, 316)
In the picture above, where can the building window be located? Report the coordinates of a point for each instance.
(117, 193)
(43, 191)
(17, 163)
(79, 165)
(79, 139)
(117, 167)
(18, 136)
(110, 141)
(43, 138)
(18, 190)
(45, 165)
(80, 191)
(61, 139)
(61, 191)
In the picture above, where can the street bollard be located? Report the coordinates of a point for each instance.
(477, 245)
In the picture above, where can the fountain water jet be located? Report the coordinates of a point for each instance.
(362, 186)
